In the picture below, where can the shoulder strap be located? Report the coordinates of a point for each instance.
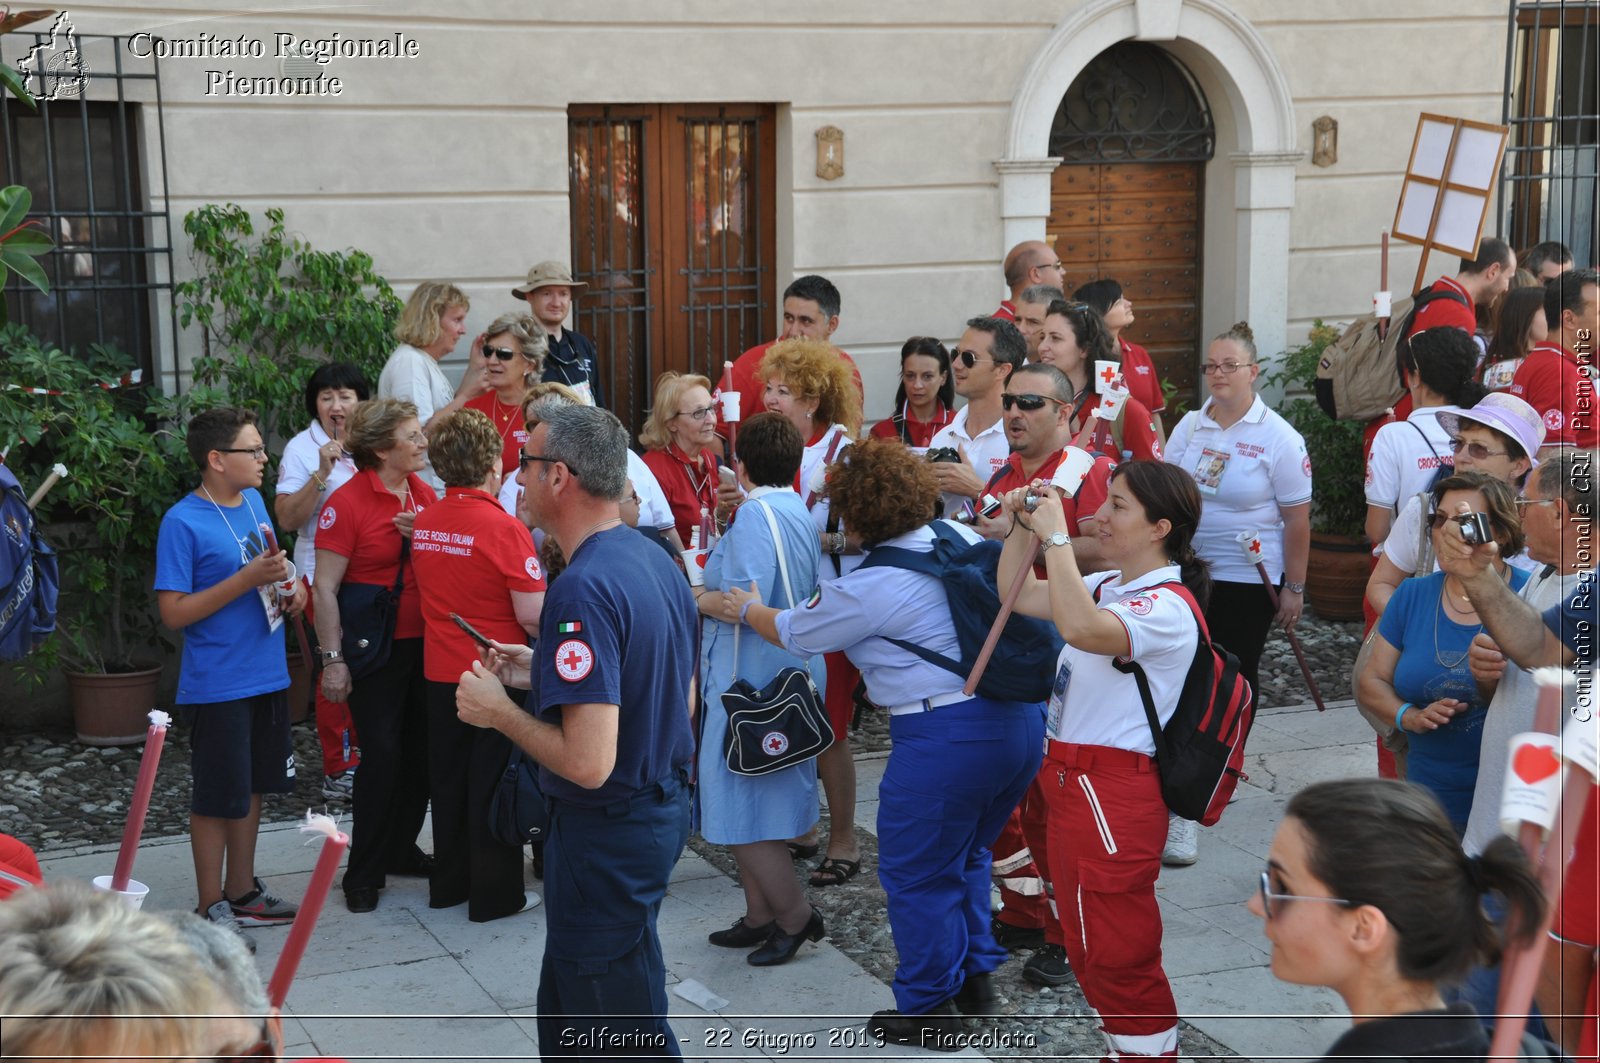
(827, 459)
(400, 569)
(783, 577)
(1136, 670)
(1425, 555)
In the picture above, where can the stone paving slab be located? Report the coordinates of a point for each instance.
(440, 986)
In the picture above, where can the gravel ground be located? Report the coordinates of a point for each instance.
(55, 793)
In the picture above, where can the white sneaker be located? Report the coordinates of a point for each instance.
(1183, 842)
(530, 901)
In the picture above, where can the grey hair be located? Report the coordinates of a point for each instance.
(1059, 384)
(223, 954)
(592, 443)
(1041, 294)
(1570, 476)
(530, 336)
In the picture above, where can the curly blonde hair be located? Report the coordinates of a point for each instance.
(372, 428)
(419, 321)
(814, 369)
(880, 489)
(530, 336)
(463, 447)
(670, 387)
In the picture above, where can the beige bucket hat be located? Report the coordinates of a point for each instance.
(544, 275)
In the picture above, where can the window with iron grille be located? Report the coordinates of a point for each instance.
(1552, 104)
(90, 155)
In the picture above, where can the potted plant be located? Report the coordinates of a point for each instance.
(1336, 578)
(126, 464)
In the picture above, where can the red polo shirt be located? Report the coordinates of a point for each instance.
(1446, 312)
(470, 556)
(509, 423)
(357, 523)
(917, 433)
(1577, 918)
(688, 485)
(1139, 374)
(747, 382)
(1553, 381)
(1007, 311)
(1090, 497)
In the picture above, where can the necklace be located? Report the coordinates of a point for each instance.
(1438, 655)
(700, 484)
(511, 415)
(584, 538)
(244, 543)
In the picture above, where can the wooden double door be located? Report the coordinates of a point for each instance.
(673, 230)
(1140, 224)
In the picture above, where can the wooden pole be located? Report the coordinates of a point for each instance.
(1007, 604)
(1383, 281)
(1294, 640)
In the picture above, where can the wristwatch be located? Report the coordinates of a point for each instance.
(332, 656)
(1058, 539)
(1298, 588)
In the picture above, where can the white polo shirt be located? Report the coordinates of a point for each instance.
(1405, 455)
(1093, 704)
(1245, 472)
(814, 462)
(654, 511)
(302, 457)
(414, 376)
(987, 452)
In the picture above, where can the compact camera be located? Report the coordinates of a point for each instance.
(1475, 528)
(945, 454)
(988, 508)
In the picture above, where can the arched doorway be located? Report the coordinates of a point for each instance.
(1134, 134)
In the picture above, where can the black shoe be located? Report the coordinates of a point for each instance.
(938, 1029)
(360, 898)
(418, 865)
(781, 947)
(741, 935)
(1048, 966)
(977, 995)
(1012, 937)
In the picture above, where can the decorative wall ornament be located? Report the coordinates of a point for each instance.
(830, 153)
(1325, 141)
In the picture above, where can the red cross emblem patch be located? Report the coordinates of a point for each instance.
(574, 660)
(775, 743)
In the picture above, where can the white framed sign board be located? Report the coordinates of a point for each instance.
(1449, 181)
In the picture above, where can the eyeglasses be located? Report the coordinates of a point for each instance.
(1225, 368)
(698, 415)
(1534, 501)
(524, 459)
(1057, 264)
(1028, 403)
(1268, 897)
(505, 354)
(254, 452)
(1477, 451)
(969, 358)
(633, 500)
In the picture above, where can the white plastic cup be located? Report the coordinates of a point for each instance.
(694, 565)
(286, 588)
(1532, 791)
(133, 896)
(730, 406)
(1383, 304)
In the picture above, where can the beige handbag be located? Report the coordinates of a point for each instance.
(1395, 739)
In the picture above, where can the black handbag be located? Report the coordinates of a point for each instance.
(517, 813)
(782, 724)
(367, 615)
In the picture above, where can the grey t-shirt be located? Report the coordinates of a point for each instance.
(1510, 713)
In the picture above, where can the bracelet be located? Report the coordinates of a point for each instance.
(322, 485)
(1398, 726)
(745, 609)
(1295, 588)
(836, 544)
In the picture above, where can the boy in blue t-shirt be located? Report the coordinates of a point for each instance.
(216, 572)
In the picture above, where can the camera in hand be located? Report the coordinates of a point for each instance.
(1475, 528)
(988, 508)
(1031, 500)
(945, 454)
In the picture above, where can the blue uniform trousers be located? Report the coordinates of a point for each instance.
(954, 775)
(602, 988)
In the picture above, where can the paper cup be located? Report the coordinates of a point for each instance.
(1107, 377)
(1382, 304)
(730, 406)
(694, 563)
(133, 896)
(1532, 791)
(286, 588)
(1250, 543)
(1075, 465)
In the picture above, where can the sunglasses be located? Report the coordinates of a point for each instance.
(1477, 451)
(1028, 403)
(968, 358)
(1269, 897)
(505, 354)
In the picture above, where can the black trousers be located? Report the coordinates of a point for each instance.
(1239, 616)
(464, 764)
(390, 710)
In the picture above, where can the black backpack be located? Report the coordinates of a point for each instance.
(1024, 662)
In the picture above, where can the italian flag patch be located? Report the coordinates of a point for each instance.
(569, 627)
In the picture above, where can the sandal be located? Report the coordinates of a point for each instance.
(801, 851)
(835, 872)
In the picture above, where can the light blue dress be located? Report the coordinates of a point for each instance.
(739, 809)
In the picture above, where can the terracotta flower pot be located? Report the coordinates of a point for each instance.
(112, 709)
(1336, 578)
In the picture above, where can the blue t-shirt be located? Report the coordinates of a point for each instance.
(1433, 665)
(1575, 618)
(233, 653)
(618, 628)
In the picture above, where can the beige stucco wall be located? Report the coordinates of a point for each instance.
(453, 164)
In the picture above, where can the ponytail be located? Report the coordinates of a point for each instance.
(1195, 571)
(1168, 493)
(1503, 868)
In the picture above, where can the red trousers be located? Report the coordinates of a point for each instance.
(1107, 826)
(334, 725)
(1021, 854)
